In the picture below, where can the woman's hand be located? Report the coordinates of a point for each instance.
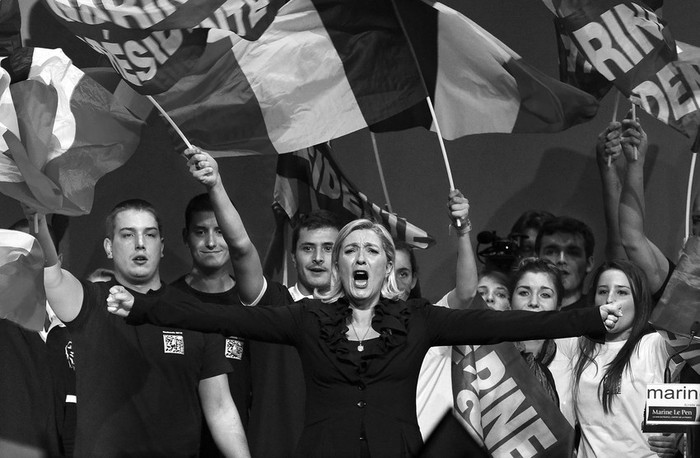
(120, 301)
(609, 145)
(664, 445)
(458, 206)
(609, 313)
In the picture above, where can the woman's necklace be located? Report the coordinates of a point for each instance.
(360, 347)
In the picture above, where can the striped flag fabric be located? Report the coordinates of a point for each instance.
(501, 403)
(22, 280)
(321, 70)
(309, 179)
(478, 84)
(630, 46)
(59, 132)
(679, 306)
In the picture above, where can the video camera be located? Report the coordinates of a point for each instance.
(501, 252)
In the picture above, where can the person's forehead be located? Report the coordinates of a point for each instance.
(491, 282)
(135, 218)
(536, 279)
(615, 276)
(563, 239)
(320, 235)
(402, 261)
(363, 237)
(204, 218)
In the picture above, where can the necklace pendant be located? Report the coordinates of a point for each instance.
(360, 347)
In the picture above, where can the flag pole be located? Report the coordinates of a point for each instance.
(458, 222)
(689, 198)
(381, 171)
(614, 117)
(634, 118)
(170, 121)
(445, 159)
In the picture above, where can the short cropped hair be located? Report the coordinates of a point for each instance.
(317, 219)
(530, 219)
(567, 225)
(131, 204)
(199, 203)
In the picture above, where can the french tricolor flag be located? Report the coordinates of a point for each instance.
(22, 280)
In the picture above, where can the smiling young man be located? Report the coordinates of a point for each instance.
(278, 389)
(569, 244)
(140, 388)
(210, 280)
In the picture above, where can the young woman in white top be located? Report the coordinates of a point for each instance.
(610, 378)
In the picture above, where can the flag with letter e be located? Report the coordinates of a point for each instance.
(22, 280)
(60, 132)
(310, 179)
(322, 69)
(478, 84)
(630, 46)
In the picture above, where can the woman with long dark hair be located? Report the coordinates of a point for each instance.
(610, 377)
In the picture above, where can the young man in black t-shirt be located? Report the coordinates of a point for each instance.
(210, 280)
(139, 388)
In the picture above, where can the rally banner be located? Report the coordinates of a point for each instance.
(630, 46)
(310, 179)
(678, 309)
(501, 403)
(22, 280)
(478, 84)
(246, 18)
(574, 69)
(60, 132)
(321, 70)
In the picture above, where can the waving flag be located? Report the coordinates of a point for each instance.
(59, 132)
(247, 19)
(22, 280)
(500, 402)
(678, 309)
(322, 69)
(479, 85)
(310, 179)
(630, 46)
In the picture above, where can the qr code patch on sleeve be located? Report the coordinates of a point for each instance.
(234, 348)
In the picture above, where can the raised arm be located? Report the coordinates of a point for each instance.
(608, 151)
(247, 267)
(466, 274)
(638, 247)
(63, 291)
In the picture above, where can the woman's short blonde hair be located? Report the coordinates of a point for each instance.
(390, 289)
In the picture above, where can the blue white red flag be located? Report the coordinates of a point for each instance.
(60, 132)
(22, 280)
